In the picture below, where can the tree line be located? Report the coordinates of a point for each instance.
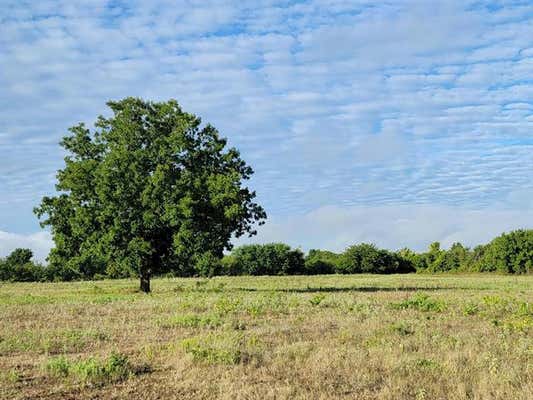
(508, 253)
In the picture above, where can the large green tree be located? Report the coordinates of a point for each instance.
(149, 190)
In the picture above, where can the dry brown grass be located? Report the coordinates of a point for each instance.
(353, 337)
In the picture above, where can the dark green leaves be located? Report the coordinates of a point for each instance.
(149, 190)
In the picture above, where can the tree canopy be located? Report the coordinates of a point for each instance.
(266, 259)
(148, 190)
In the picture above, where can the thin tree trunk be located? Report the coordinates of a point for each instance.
(145, 282)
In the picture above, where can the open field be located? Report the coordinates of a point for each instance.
(353, 336)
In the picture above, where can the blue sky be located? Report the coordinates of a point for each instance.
(394, 122)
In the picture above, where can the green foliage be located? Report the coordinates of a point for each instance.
(321, 262)
(11, 375)
(367, 258)
(426, 363)
(207, 264)
(20, 256)
(53, 342)
(470, 309)
(115, 367)
(411, 261)
(149, 190)
(451, 260)
(510, 252)
(317, 299)
(401, 328)
(18, 267)
(192, 321)
(215, 349)
(58, 366)
(267, 259)
(421, 302)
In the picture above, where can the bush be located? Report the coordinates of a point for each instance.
(421, 302)
(229, 266)
(321, 262)
(511, 252)
(451, 260)
(215, 349)
(114, 368)
(267, 259)
(410, 261)
(18, 267)
(367, 258)
(207, 264)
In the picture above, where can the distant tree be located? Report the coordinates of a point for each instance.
(411, 261)
(19, 267)
(148, 191)
(510, 252)
(265, 259)
(19, 256)
(475, 258)
(456, 257)
(321, 262)
(434, 255)
(367, 258)
(447, 260)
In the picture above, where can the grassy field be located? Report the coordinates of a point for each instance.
(322, 337)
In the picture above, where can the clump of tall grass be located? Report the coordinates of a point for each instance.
(92, 371)
(222, 348)
(192, 321)
(421, 302)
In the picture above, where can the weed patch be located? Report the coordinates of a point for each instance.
(226, 305)
(92, 371)
(53, 342)
(471, 309)
(421, 302)
(317, 299)
(12, 375)
(213, 352)
(192, 321)
(401, 328)
(221, 348)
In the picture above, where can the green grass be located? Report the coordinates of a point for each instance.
(354, 336)
(192, 321)
(91, 371)
(421, 302)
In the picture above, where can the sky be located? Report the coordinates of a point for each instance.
(393, 122)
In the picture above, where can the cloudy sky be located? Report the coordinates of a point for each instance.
(393, 122)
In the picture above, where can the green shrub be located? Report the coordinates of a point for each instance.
(321, 262)
(367, 258)
(470, 309)
(401, 328)
(193, 321)
(207, 264)
(18, 267)
(511, 253)
(426, 363)
(115, 367)
(214, 349)
(317, 299)
(58, 366)
(421, 302)
(266, 259)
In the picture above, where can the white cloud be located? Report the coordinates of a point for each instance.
(392, 227)
(40, 243)
(354, 103)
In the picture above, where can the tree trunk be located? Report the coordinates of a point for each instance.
(145, 282)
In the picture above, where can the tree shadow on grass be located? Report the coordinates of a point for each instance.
(333, 289)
